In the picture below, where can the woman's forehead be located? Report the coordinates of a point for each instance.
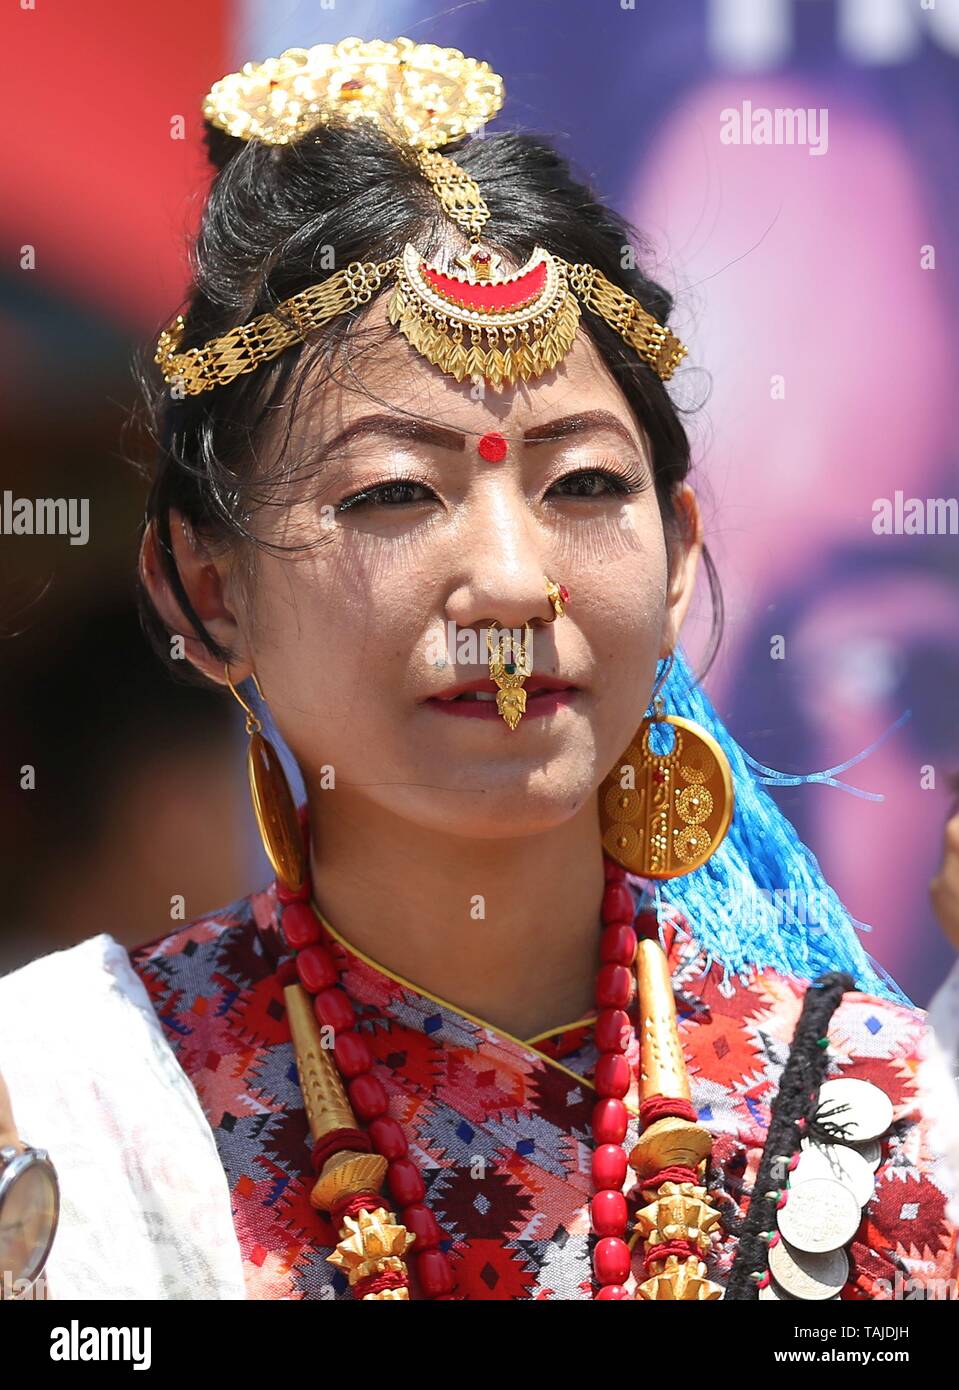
(392, 378)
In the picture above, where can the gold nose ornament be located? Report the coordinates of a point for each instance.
(558, 595)
(509, 669)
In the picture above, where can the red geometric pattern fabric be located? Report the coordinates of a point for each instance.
(500, 1129)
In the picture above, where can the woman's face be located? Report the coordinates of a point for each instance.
(408, 543)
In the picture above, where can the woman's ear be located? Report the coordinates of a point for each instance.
(685, 551)
(204, 580)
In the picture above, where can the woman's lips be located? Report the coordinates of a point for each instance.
(540, 702)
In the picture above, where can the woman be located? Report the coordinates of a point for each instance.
(451, 542)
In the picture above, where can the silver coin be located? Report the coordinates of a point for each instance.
(820, 1214)
(867, 1112)
(837, 1161)
(871, 1150)
(773, 1293)
(804, 1275)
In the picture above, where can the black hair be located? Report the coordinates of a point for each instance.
(274, 217)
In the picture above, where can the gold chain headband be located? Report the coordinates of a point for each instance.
(472, 321)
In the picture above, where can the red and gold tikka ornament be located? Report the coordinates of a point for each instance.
(481, 322)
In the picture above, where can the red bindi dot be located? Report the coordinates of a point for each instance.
(492, 447)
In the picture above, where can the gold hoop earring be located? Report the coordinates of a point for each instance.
(509, 670)
(662, 814)
(273, 805)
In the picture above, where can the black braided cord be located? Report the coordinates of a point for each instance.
(796, 1100)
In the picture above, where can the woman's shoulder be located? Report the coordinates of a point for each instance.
(865, 1028)
(890, 1043)
(239, 943)
(215, 976)
(251, 916)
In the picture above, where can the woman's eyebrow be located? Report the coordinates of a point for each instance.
(395, 427)
(581, 423)
(410, 429)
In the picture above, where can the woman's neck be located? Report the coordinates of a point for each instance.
(507, 930)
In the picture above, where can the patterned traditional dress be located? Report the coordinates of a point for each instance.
(500, 1127)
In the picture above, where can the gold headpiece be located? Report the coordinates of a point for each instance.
(470, 321)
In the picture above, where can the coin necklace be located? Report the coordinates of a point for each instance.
(832, 1181)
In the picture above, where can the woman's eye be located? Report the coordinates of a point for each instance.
(591, 482)
(401, 494)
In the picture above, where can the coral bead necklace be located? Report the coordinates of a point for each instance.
(358, 1146)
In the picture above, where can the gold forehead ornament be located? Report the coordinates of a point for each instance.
(471, 319)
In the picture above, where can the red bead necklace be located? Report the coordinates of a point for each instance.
(311, 964)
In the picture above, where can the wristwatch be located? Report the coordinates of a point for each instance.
(29, 1213)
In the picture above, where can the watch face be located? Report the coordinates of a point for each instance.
(28, 1217)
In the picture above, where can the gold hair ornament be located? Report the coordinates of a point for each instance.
(469, 318)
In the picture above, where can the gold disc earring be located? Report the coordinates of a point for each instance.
(662, 814)
(509, 670)
(273, 805)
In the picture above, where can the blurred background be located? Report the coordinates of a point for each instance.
(818, 293)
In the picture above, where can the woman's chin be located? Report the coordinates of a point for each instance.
(497, 809)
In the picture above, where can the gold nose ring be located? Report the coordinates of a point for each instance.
(558, 595)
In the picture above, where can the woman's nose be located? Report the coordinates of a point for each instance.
(501, 568)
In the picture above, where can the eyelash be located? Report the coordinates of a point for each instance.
(626, 481)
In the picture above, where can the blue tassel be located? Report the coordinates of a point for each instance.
(761, 898)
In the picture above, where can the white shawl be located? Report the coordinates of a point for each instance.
(145, 1206)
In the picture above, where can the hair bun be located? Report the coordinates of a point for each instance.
(220, 146)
